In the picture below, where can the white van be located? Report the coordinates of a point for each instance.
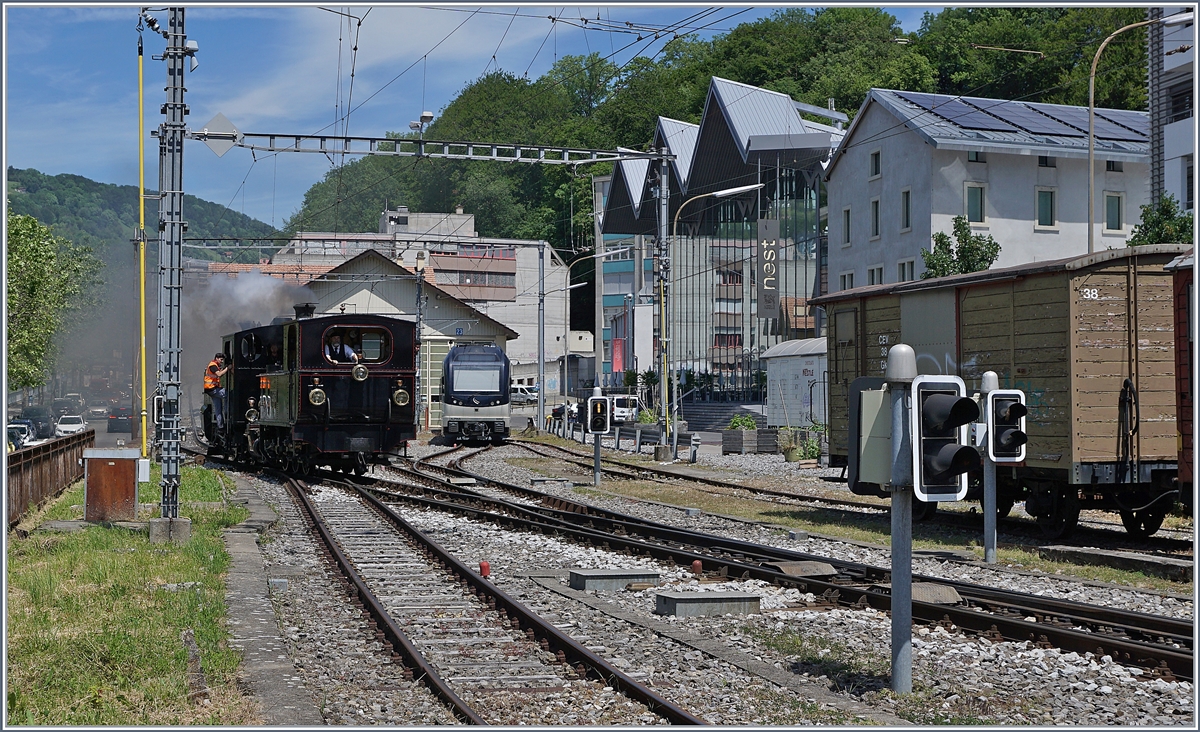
(625, 408)
(521, 394)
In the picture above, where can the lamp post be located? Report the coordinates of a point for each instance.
(567, 314)
(1176, 19)
(666, 340)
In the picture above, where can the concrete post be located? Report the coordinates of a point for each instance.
(901, 369)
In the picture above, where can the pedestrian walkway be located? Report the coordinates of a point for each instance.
(266, 669)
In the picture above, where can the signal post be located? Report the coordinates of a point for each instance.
(599, 422)
(914, 445)
(1005, 438)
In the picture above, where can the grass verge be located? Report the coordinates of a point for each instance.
(94, 620)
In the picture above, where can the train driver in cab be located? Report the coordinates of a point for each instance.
(338, 352)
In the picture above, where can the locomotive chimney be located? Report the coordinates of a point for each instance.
(304, 309)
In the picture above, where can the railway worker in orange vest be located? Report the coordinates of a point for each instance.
(212, 387)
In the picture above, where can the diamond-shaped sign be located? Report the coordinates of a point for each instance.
(220, 134)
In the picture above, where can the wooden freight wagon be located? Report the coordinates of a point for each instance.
(1089, 339)
(1182, 268)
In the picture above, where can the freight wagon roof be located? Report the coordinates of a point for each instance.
(1004, 273)
(798, 347)
(1185, 261)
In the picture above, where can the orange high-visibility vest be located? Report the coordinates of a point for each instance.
(210, 375)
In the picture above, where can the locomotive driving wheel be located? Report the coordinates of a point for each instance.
(923, 510)
(360, 463)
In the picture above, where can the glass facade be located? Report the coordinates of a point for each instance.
(718, 331)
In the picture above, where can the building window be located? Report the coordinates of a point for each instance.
(1180, 101)
(1187, 184)
(974, 156)
(874, 218)
(1045, 161)
(846, 227)
(975, 204)
(905, 271)
(905, 210)
(727, 340)
(1113, 220)
(875, 275)
(876, 169)
(847, 280)
(1114, 166)
(1045, 207)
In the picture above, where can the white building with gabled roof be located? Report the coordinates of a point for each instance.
(911, 162)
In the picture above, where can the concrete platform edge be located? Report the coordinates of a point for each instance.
(266, 669)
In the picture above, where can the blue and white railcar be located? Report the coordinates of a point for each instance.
(475, 394)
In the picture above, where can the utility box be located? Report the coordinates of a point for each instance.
(110, 484)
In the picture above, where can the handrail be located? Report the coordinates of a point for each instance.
(38, 473)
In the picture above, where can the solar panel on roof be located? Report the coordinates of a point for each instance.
(953, 110)
(1025, 118)
(1136, 121)
(1078, 117)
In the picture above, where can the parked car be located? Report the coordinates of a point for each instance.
(43, 422)
(98, 408)
(69, 424)
(572, 411)
(64, 406)
(119, 419)
(78, 399)
(522, 394)
(18, 435)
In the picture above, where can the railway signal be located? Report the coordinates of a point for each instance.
(1006, 436)
(599, 415)
(942, 451)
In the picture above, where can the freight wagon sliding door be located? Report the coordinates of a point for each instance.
(843, 368)
(1123, 329)
(1019, 329)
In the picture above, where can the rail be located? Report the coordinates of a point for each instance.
(38, 473)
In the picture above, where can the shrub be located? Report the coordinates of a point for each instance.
(646, 417)
(743, 422)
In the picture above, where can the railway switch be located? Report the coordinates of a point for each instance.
(942, 449)
(1005, 414)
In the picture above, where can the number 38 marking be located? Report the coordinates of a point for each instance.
(1089, 293)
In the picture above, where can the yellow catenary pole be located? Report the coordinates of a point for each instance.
(142, 239)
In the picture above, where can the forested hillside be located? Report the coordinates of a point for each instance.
(104, 216)
(813, 55)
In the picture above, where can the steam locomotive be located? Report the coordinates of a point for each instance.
(294, 402)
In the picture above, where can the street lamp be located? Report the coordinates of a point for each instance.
(1177, 19)
(567, 313)
(662, 439)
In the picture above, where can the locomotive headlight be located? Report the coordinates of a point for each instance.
(252, 415)
(316, 397)
(359, 372)
(400, 397)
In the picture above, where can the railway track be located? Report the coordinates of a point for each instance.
(1162, 646)
(1097, 530)
(473, 645)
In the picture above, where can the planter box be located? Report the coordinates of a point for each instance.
(739, 442)
(768, 440)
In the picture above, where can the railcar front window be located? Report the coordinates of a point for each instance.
(370, 345)
(476, 381)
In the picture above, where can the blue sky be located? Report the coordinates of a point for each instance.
(71, 80)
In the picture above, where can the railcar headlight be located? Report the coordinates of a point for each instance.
(400, 397)
(359, 372)
(316, 397)
(251, 415)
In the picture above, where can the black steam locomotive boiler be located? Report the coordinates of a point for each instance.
(334, 391)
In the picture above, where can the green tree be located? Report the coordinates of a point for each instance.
(48, 277)
(969, 252)
(1163, 224)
